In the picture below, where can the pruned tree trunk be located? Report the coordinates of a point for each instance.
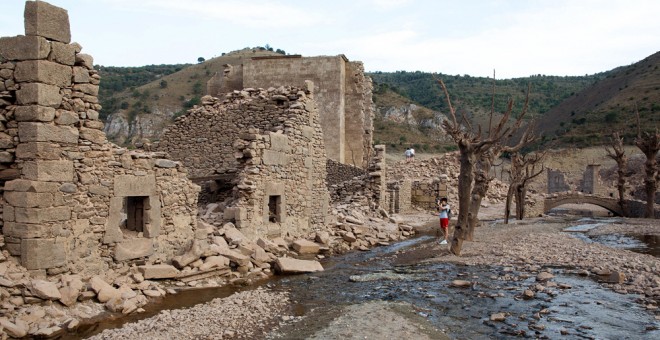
(618, 154)
(523, 170)
(649, 144)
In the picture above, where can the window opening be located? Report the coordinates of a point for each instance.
(274, 210)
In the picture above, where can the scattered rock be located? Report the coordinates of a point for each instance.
(286, 265)
(544, 276)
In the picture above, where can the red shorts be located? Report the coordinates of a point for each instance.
(444, 223)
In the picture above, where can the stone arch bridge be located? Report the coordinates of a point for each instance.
(636, 208)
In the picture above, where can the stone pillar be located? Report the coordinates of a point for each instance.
(56, 107)
(378, 177)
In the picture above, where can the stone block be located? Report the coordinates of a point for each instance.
(112, 231)
(31, 186)
(29, 199)
(40, 94)
(34, 113)
(49, 171)
(275, 158)
(48, 21)
(40, 215)
(63, 53)
(9, 174)
(92, 90)
(305, 247)
(85, 60)
(67, 118)
(24, 48)
(80, 75)
(42, 132)
(6, 157)
(6, 141)
(38, 150)
(25, 230)
(286, 265)
(43, 71)
(279, 142)
(129, 185)
(93, 135)
(99, 190)
(158, 271)
(42, 253)
(133, 249)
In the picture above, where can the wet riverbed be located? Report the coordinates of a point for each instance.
(585, 310)
(581, 308)
(639, 243)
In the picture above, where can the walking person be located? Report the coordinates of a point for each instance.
(412, 154)
(445, 210)
(408, 154)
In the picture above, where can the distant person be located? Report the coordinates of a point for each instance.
(444, 209)
(408, 154)
(412, 154)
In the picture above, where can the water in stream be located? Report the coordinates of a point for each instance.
(398, 273)
(584, 311)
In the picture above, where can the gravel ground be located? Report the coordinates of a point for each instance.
(244, 315)
(379, 320)
(535, 244)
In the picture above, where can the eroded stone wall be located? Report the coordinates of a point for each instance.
(342, 92)
(66, 186)
(272, 141)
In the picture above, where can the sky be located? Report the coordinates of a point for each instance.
(517, 38)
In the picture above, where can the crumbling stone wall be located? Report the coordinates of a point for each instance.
(591, 182)
(339, 173)
(272, 141)
(342, 92)
(66, 187)
(424, 194)
(557, 181)
(400, 196)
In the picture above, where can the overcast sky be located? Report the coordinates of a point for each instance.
(516, 37)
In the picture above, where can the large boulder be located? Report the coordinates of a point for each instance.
(158, 271)
(303, 246)
(45, 290)
(287, 265)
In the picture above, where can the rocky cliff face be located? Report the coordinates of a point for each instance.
(411, 114)
(120, 130)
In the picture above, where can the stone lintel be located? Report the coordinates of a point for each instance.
(24, 48)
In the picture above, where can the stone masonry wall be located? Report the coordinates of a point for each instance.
(339, 173)
(65, 185)
(272, 140)
(359, 112)
(329, 77)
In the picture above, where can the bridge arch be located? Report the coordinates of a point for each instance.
(612, 205)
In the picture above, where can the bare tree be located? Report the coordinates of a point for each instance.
(477, 154)
(649, 144)
(523, 170)
(618, 154)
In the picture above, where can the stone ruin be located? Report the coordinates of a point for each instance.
(72, 201)
(590, 183)
(342, 92)
(262, 153)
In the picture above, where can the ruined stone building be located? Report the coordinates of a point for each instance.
(556, 181)
(342, 92)
(72, 201)
(261, 154)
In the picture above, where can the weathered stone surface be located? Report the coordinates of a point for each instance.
(12, 329)
(34, 113)
(67, 118)
(275, 158)
(6, 157)
(72, 285)
(105, 292)
(616, 277)
(43, 71)
(92, 90)
(165, 163)
(39, 94)
(29, 199)
(24, 47)
(80, 75)
(461, 283)
(498, 317)
(133, 249)
(349, 237)
(40, 215)
(544, 276)
(193, 254)
(42, 253)
(6, 141)
(38, 150)
(45, 290)
(42, 132)
(45, 20)
(279, 142)
(305, 247)
(235, 257)
(286, 265)
(63, 53)
(158, 271)
(93, 135)
(85, 60)
(233, 235)
(214, 262)
(49, 171)
(129, 185)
